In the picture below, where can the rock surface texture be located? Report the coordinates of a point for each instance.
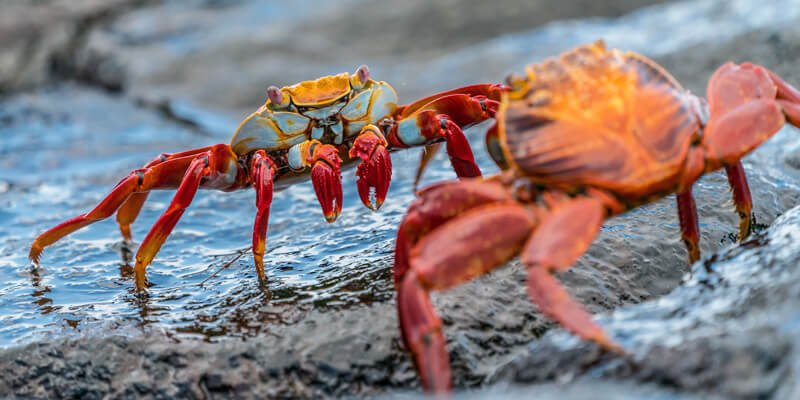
(93, 89)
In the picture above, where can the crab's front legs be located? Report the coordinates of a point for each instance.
(326, 174)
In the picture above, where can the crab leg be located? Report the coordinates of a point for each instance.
(420, 326)
(215, 166)
(436, 205)
(469, 245)
(441, 118)
(375, 169)
(687, 216)
(741, 198)
(262, 171)
(129, 210)
(164, 175)
(557, 243)
(748, 104)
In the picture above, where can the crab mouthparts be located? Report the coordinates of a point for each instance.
(332, 120)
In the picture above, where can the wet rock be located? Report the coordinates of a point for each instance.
(730, 332)
(327, 325)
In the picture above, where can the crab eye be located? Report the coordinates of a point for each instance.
(274, 95)
(360, 77)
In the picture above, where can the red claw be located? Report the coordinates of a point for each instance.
(375, 170)
(326, 177)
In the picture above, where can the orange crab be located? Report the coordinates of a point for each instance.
(581, 138)
(308, 128)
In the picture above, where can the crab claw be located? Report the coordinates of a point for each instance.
(326, 177)
(375, 170)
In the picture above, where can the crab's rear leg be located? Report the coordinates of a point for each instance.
(220, 168)
(127, 213)
(690, 230)
(166, 174)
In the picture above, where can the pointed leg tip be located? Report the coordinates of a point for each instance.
(35, 254)
(331, 218)
(262, 276)
(126, 233)
(610, 345)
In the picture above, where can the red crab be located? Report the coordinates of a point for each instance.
(311, 127)
(582, 137)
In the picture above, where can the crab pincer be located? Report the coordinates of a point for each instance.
(375, 170)
(326, 177)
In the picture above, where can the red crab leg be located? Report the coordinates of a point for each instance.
(375, 169)
(748, 104)
(165, 175)
(436, 205)
(563, 235)
(213, 165)
(440, 117)
(470, 245)
(428, 152)
(262, 171)
(687, 216)
(129, 210)
(326, 177)
(741, 198)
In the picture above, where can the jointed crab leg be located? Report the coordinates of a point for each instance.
(164, 225)
(687, 217)
(263, 171)
(164, 175)
(219, 168)
(442, 119)
(440, 245)
(741, 198)
(129, 210)
(100, 212)
(555, 245)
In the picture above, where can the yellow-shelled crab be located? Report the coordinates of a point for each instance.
(308, 128)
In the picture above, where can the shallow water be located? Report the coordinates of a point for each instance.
(63, 147)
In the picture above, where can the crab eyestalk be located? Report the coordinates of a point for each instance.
(375, 170)
(276, 97)
(360, 77)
